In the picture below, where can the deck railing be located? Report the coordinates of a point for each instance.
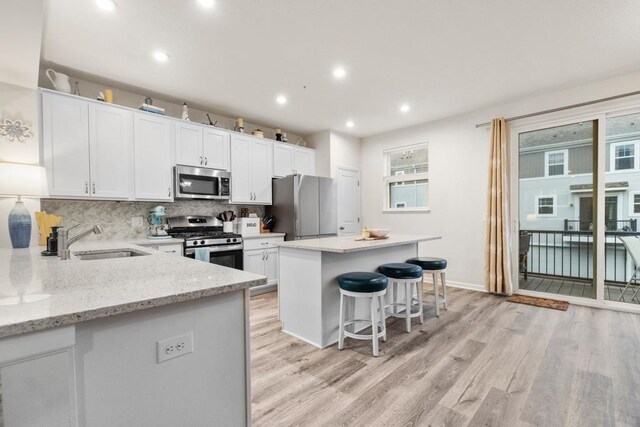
(569, 254)
(625, 225)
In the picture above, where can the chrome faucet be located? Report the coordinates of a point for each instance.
(64, 241)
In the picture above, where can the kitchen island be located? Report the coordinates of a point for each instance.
(83, 342)
(309, 297)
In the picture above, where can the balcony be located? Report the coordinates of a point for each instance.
(561, 261)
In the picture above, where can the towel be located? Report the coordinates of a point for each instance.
(45, 222)
(202, 254)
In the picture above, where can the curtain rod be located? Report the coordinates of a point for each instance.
(566, 107)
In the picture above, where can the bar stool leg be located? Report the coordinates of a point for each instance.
(421, 309)
(341, 326)
(394, 291)
(383, 318)
(374, 326)
(435, 292)
(444, 289)
(408, 296)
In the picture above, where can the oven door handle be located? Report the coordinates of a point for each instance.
(216, 249)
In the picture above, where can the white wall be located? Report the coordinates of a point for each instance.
(21, 34)
(345, 152)
(321, 141)
(458, 157)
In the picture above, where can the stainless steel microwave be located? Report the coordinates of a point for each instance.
(201, 183)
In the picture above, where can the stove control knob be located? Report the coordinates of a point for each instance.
(195, 242)
(235, 240)
(202, 242)
(228, 240)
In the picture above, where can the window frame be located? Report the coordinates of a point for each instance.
(402, 178)
(565, 162)
(612, 156)
(632, 195)
(554, 206)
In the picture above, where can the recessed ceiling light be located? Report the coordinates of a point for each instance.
(161, 56)
(339, 72)
(107, 5)
(405, 108)
(350, 124)
(206, 3)
(281, 99)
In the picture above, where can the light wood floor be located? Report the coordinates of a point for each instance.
(483, 362)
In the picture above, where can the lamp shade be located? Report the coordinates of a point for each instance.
(17, 179)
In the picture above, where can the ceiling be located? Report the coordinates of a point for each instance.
(440, 57)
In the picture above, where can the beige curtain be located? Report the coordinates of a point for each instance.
(497, 270)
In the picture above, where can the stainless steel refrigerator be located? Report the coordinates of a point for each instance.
(304, 207)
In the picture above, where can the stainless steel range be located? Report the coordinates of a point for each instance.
(206, 232)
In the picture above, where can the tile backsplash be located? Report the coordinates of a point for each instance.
(115, 217)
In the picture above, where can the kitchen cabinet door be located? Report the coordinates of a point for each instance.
(215, 149)
(261, 170)
(254, 261)
(188, 140)
(65, 135)
(241, 191)
(283, 160)
(271, 265)
(111, 148)
(305, 161)
(153, 158)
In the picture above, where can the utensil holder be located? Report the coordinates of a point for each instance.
(227, 226)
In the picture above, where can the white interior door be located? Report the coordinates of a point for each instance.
(348, 201)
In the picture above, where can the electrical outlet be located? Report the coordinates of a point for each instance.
(170, 348)
(137, 222)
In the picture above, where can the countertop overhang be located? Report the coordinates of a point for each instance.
(39, 292)
(346, 244)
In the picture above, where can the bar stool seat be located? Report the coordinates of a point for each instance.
(410, 277)
(434, 266)
(363, 285)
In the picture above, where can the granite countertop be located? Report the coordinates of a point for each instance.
(346, 244)
(39, 292)
(263, 235)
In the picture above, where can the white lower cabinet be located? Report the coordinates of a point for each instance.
(261, 257)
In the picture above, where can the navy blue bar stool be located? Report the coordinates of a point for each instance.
(434, 266)
(363, 285)
(410, 277)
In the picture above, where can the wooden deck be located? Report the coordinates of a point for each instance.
(559, 286)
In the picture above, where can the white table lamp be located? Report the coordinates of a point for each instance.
(17, 179)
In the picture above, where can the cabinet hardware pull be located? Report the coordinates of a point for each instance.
(86, 187)
(201, 160)
(267, 255)
(93, 187)
(263, 256)
(169, 194)
(206, 161)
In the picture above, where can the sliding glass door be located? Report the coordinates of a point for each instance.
(556, 209)
(578, 206)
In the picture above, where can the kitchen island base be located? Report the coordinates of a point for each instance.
(309, 295)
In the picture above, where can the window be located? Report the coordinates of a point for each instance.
(546, 206)
(623, 156)
(406, 178)
(556, 162)
(634, 204)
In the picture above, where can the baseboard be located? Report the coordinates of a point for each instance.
(461, 285)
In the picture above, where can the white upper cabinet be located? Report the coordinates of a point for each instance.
(289, 160)
(201, 146)
(87, 148)
(215, 148)
(305, 161)
(251, 169)
(65, 135)
(153, 157)
(111, 150)
(283, 160)
(188, 139)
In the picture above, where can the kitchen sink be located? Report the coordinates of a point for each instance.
(108, 254)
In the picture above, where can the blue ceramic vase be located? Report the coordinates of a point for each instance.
(19, 226)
